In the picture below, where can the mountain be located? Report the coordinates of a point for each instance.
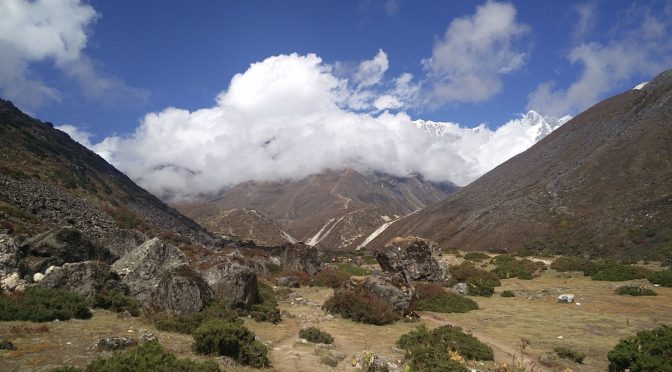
(335, 209)
(601, 184)
(49, 180)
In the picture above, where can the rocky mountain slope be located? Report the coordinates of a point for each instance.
(600, 184)
(49, 180)
(334, 209)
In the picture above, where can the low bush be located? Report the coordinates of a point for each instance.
(217, 337)
(649, 350)
(360, 306)
(565, 264)
(150, 356)
(432, 297)
(314, 334)
(662, 278)
(188, 323)
(43, 305)
(330, 278)
(522, 269)
(570, 354)
(480, 282)
(617, 272)
(634, 290)
(421, 343)
(476, 256)
(265, 307)
(117, 301)
(508, 293)
(502, 258)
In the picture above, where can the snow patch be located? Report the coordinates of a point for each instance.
(640, 86)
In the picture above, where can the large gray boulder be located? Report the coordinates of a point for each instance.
(394, 290)
(230, 280)
(85, 278)
(142, 268)
(180, 290)
(10, 262)
(60, 246)
(416, 259)
(301, 257)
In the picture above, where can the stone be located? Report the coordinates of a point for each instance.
(329, 360)
(112, 343)
(566, 298)
(10, 259)
(7, 345)
(37, 277)
(461, 289)
(288, 281)
(415, 258)
(13, 282)
(394, 290)
(146, 336)
(84, 278)
(230, 280)
(369, 361)
(181, 290)
(301, 257)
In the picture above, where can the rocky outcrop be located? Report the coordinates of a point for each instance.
(288, 281)
(9, 263)
(301, 257)
(394, 290)
(415, 258)
(181, 290)
(84, 278)
(230, 280)
(113, 343)
(142, 268)
(60, 246)
(369, 361)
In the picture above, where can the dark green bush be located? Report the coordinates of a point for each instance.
(265, 307)
(188, 323)
(438, 341)
(649, 350)
(522, 269)
(508, 293)
(117, 301)
(502, 258)
(432, 297)
(314, 334)
(570, 354)
(617, 272)
(480, 282)
(149, 356)
(43, 305)
(662, 278)
(476, 256)
(565, 264)
(217, 337)
(360, 306)
(433, 359)
(330, 278)
(634, 290)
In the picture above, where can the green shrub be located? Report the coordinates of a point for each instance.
(432, 297)
(508, 293)
(352, 269)
(502, 258)
(634, 290)
(570, 354)
(662, 278)
(188, 323)
(67, 369)
(117, 301)
(314, 334)
(480, 282)
(265, 307)
(217, 337)
(476, 256)
(565, 264)
(43, 305)
(273, 268)
(649, 350)
(438, 341)
(149, 356)
(360, 306)
(432, 359)
(330, 278)
(616, 272)
(522, 269)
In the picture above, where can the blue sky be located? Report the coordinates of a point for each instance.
(468, 62)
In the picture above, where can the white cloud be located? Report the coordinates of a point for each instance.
(287, 117)
(645, 49)
(49, 30)
(79, 135)
(467, 64)
(370, 72)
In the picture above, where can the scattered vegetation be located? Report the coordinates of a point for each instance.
(314, 334)
(476, 256)
(570, 354)
(117, 301)
(360, 306)
(125, 218)
(188, 323)
(432, 297)
(352, 270)
(273, 268)
(43, 305)
(649, 350)
(502, 258)
(265, 307)
(217, 337)
(510, 267)
(480, 282)
(330, 278)
(662, 278)
(634, 290)
(618, 272)
(508, 293)
(565, 264)
(150, 356)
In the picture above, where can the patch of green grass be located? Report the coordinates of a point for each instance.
(217, 337)
(570, 354)
(634, 290)
(314, 334)
(43, 305)
(649, 350)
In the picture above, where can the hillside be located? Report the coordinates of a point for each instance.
(50, 180)
(600, 185)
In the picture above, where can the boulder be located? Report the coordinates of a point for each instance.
(289, 282)
(60, 246)
(10, 262)
(566, 298)
(393, 289)
(84, 278)
(230, 280)
(415, 258)
(113, 343)
(7, 345)
(369, 361)
(181, 290)
(13, 282)
(142, 268)
(461, 289)
(301, 257)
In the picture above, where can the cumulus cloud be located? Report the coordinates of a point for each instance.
(77, 134)
(49, 30)
(645, 48)
(288, 117)
(467, 64)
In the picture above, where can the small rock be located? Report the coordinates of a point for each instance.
(461, 289)
(69, 343)
(37, 277)
(113, 343)
(369, 361)
(329, 360)
(288, 281)
(7, 345)
(147, 337)
(560, 337)
(566, 298)
(227, 361)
